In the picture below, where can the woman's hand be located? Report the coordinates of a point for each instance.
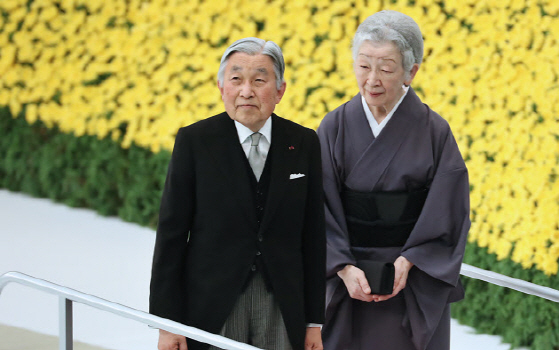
(402, 267)
(356, 283)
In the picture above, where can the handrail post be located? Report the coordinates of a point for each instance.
(65, 324)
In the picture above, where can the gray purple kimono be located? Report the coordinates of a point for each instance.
(415, 149)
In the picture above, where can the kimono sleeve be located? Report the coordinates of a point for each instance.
(436, 244)
(337, 240)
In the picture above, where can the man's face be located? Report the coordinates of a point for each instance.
(249, 89)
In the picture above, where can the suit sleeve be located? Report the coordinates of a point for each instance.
(167, 288)
(314, 240)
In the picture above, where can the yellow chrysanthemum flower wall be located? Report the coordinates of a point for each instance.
(137, 70)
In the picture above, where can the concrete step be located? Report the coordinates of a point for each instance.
(13, 338)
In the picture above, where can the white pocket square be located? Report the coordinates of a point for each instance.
(295, 176)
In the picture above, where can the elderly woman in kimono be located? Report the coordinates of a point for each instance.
(396, 190)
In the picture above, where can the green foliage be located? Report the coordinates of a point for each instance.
(522, 320)
(81, 171)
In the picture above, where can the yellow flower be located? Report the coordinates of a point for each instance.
(489, 69)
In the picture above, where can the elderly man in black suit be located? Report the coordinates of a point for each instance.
(240, 247)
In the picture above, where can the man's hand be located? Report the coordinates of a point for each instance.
(402, 267)
(356, 283)
(313, 339)
(170, 341)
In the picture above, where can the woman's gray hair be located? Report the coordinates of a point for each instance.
(255, 46)
(392, 26)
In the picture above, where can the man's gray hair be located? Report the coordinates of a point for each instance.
(392, 26)
(255, 46)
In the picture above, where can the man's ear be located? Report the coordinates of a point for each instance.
(220, 88)
(281, 91)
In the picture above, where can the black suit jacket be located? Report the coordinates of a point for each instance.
(208, 234)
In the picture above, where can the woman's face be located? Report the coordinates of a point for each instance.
(380, 75)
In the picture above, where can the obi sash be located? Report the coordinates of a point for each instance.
(381, 219)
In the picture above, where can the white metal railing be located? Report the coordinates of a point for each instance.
(509, 282)
(67, 296)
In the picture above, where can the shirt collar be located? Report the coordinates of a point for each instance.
(245, 132)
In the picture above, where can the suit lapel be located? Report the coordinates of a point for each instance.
(284, 150)
(227, 154)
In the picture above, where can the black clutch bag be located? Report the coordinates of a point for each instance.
(379, 274)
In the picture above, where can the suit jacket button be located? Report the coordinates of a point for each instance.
(253, 268)
(258, 253)
(260, 238)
